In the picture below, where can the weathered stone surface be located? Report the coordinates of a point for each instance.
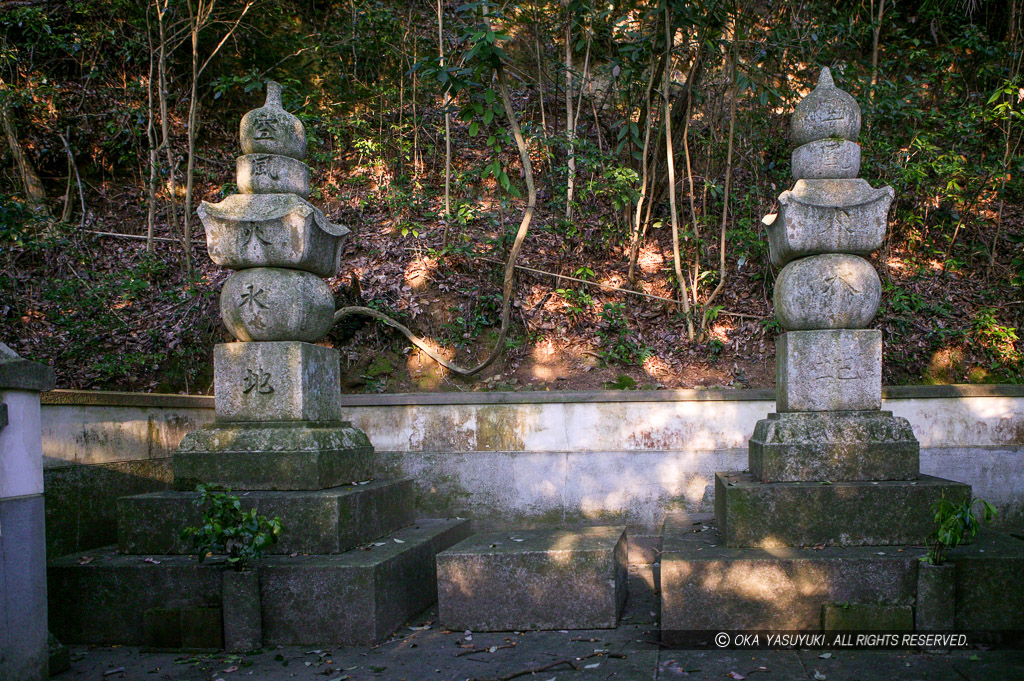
(833, 446)
(60, 657)
(829, 370)
(274, 456)
(866, 617)
(103, 599)
(826, 159)
(271, 174)
(321, 521)
(935, 609)
(551, 579)
(23, 636)
(828, 216)
(273, 304)
(272, 130)
(989, 596)
(272, 230)
(709, 587)
(750, 513)
(240, 598)
(357, 598)
(189, 628)
(831, 291)
(17, 373)
(826, 112)
(276, 381)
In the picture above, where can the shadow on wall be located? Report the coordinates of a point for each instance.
(81, 500)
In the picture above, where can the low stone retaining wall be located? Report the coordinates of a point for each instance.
(520, 458)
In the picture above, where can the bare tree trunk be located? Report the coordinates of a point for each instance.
(570, 129)
(874, 44)
(165, 123)
(645, 162)
(540, 71)
(447, 133)
(666, 84)
(151, 139)
(728, 181)
(35, 193)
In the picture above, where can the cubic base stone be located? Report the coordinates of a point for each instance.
(829, 370)
(708, 588)
(866, 617)
(274, 456)
(356, 598)
(318, 521)
(534, 580)
(833, 446)
(276, 381)
(755, 514)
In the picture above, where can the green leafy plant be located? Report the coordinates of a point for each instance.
(226, 529)
(955, 523)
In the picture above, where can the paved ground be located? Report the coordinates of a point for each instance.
(626, 653)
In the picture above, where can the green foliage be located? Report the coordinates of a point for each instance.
(955, 523)
(618, 344)
(225, 528)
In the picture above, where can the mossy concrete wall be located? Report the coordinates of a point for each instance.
(523, 458)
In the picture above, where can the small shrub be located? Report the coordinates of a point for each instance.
(955, 524)
(226, 529)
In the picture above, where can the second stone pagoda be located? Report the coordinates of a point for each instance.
(830, 467)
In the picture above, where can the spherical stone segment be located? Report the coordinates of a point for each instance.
(275, 304)
(826, 112)
(831, 291)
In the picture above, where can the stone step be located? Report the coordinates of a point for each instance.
(534, 580)
(355, 598)
(750, 513)
(316, 522)
(708, 587)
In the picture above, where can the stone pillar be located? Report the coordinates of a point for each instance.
(24, 644)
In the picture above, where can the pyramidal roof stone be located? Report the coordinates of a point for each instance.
(826, 112)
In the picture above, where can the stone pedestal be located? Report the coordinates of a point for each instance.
(289, 455)
(752, 513)
(829, 370)
(24, 640)
(534, 579)
(833, 447)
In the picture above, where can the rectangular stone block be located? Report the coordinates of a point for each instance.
(534, 580)
(355, 598)
(101, 596)
(319, 521)
(706, 587)
(276, 381)
(241, 605)
(274, 456)
(856, 513)
(829, 370)
(989, 596)
(833, 446)
(866, 617)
